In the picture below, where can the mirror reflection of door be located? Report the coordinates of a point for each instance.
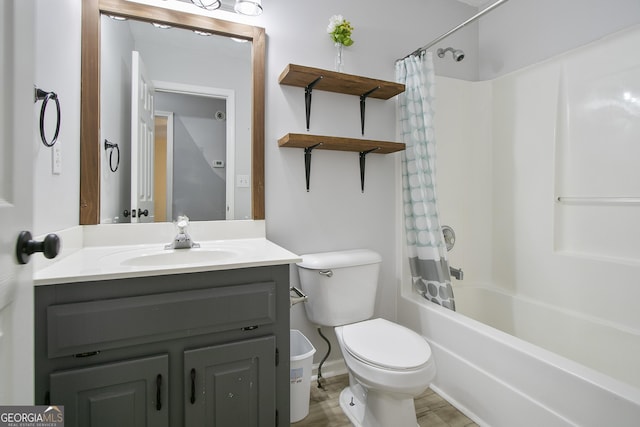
(198, 134)
(178, 61)
(142, 142)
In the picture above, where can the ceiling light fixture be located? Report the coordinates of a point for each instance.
(249, 7)
(207, 4)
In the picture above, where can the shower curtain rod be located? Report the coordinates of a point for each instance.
(453, 30)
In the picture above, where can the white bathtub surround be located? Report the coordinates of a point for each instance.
(600, 345)
(499, 380)
(507, 149)
(425, 244)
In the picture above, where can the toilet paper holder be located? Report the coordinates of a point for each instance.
(298, 296)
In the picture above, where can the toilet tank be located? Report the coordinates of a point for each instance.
(341, 286)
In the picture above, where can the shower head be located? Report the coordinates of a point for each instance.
(458, 55)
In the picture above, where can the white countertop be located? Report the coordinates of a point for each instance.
(91, 261)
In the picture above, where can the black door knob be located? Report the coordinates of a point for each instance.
(25, 247)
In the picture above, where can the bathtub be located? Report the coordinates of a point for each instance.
(498, 379)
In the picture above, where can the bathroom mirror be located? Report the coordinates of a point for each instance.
(93, 155)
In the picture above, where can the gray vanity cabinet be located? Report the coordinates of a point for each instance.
(129, 393)
(230, 384)
(189, 349)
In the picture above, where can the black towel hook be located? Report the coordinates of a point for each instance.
(112, 146)
(41, 95)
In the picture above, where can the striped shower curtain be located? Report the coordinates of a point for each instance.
(425, 243)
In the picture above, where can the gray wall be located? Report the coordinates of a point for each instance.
(57, 63)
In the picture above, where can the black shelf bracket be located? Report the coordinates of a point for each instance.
(363, 98)
(307, 162)
(363, 155)
(307, 97)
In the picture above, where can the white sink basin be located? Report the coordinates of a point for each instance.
(179, 257)
(162, 258)
(122, 254)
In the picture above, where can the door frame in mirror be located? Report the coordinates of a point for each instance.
(90, 92)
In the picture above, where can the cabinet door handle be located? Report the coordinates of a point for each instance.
(193, 386)
(158, 394)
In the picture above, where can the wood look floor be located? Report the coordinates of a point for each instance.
(324, 408)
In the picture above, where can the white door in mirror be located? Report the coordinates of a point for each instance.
(142, 142)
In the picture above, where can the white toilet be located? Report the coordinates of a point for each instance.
(388, 364)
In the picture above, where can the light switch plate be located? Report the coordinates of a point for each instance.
(56, 159)
(242, 181)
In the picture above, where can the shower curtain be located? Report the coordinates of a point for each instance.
(425, 243)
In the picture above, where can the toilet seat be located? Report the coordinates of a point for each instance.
(385, 344)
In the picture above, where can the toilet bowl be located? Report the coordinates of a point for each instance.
(388, 364)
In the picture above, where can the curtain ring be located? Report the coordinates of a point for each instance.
(45, 97)
(112, 146)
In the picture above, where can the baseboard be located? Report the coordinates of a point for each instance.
(331, 368)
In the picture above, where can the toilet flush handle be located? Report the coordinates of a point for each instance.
(327, 273)
(300, 296)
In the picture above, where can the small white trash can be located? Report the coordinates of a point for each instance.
(302, 352)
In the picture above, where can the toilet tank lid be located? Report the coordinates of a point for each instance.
(339, 259)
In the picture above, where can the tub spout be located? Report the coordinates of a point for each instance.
(456, 272)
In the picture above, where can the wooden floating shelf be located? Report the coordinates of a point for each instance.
(303, 140)
(361, 146)
(333, 81)
(311, 78)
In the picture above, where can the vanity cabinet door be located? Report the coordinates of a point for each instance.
(130, 393)
(231, 384)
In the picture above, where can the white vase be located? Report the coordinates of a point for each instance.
(339, 64)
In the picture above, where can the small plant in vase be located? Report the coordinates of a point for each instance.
(340, 30)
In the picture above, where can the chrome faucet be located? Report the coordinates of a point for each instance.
(182, 239)
(456, 272)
